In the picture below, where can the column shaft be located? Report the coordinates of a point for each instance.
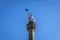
(31, 34)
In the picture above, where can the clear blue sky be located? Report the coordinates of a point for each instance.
(13, 19)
